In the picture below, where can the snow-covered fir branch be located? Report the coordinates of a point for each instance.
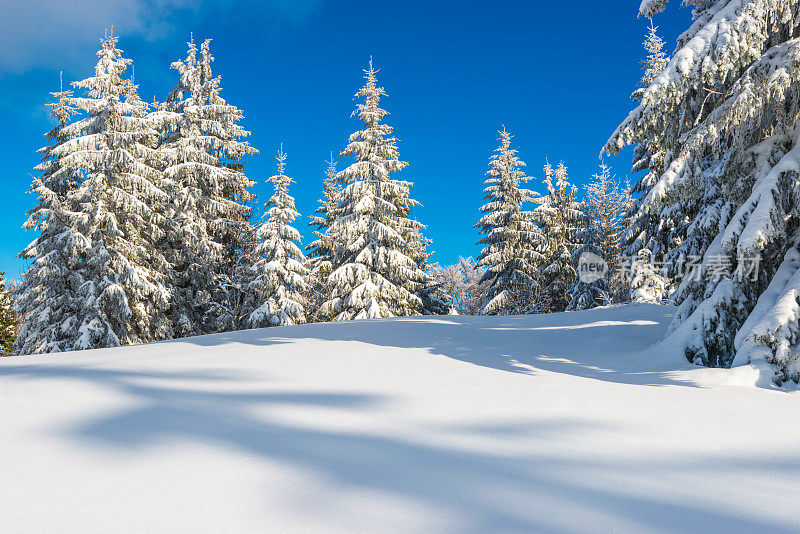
(720, 122)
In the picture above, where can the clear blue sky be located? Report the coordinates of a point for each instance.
(557, 74)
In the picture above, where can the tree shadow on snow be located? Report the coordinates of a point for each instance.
(607, 344)
(477, 489)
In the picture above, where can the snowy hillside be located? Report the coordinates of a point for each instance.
(550, 423)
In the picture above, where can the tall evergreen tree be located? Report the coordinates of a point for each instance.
(725, 114)
(319, 250)
(201, 145)
(279, 272)
(47, 300)
(114, 216)
(122, 207)
(375, 263)
(600, 229)
(511, 237)
(558, 214)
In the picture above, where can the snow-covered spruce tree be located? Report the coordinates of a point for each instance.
(115, 218)
(375, 264)
(279, 272)
(236, 231)
(121, 206)
(201, 146)
(319, 251)
(603, 210)
(725, 112)
(512, 239)
(558, 215)
(8, 319)
(47, 300)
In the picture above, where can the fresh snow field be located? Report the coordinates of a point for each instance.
(550, 423)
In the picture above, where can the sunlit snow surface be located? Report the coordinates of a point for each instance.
(558, 423)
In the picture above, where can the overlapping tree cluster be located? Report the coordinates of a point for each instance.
(530, 257)
(147, 229)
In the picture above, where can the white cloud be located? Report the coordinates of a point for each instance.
(49, 33)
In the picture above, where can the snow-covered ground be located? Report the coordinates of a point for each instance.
(559, 423)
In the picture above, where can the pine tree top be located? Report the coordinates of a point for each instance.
(330, 189)
(107, 91)
(281, 206)
(504, 177)
(656, 59)
(373, 147)
(61, 110)
(370, 111)
(330, 172)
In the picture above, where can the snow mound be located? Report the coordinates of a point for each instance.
(556, 423)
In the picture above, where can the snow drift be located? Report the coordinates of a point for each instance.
(550, 423)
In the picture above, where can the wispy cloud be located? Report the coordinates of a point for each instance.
(48, 33)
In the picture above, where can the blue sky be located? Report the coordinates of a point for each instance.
(557, 74)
